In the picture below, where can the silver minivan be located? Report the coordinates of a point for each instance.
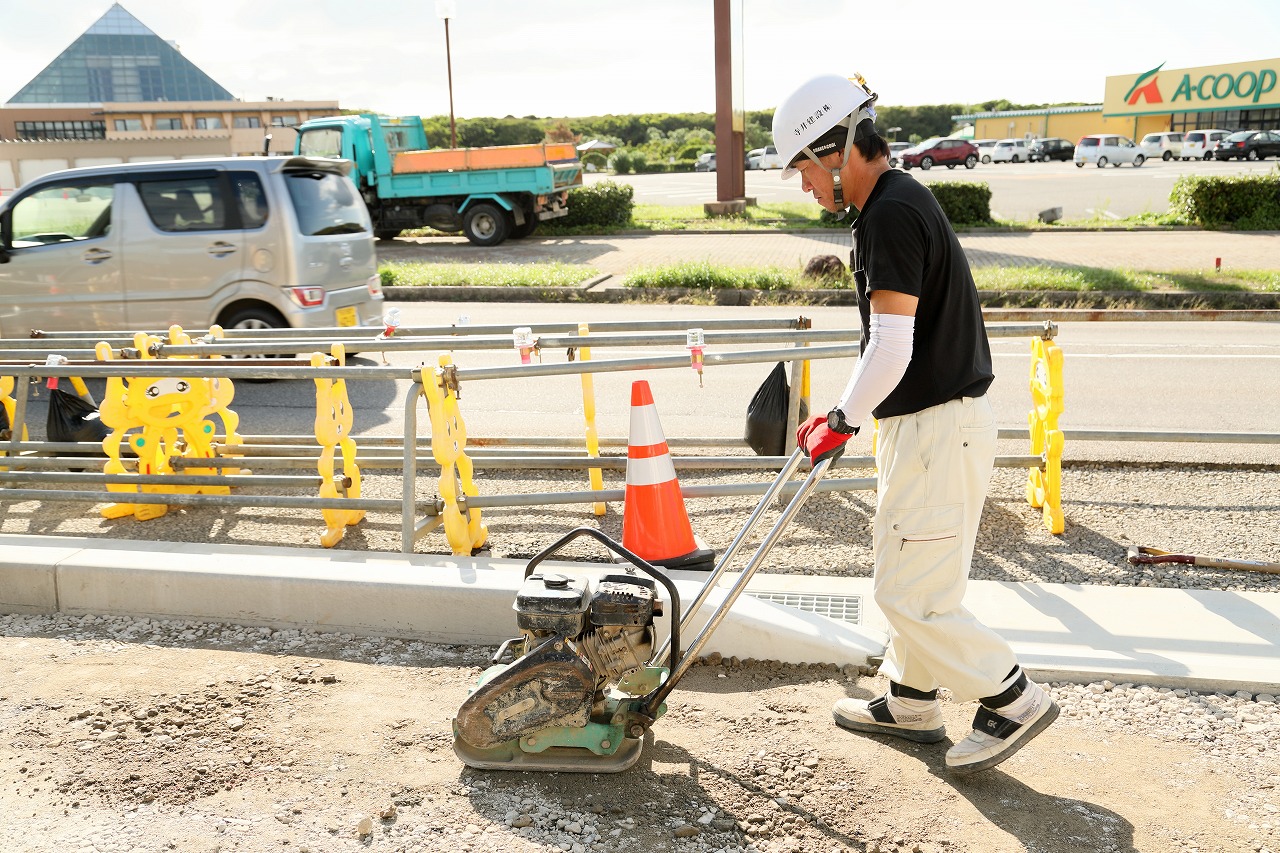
(243, 242)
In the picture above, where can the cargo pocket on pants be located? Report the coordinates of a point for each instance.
(926, 546)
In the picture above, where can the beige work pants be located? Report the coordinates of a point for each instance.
(934, 467)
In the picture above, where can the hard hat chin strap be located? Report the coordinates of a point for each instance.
(853, 122)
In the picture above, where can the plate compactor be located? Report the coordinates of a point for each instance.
(584, 682)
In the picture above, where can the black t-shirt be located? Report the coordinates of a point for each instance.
(903, 242)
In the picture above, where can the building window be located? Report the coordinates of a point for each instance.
(284, 121)
(128, 124)
(248, 121)
(61, 129)
(168, 124)
(209, 123)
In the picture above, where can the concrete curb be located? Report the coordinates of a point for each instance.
(451, 600)
(1198, 639)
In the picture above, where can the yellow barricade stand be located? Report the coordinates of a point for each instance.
(467, 534)
(334, 420)
(9, 405)
(162, 418)
(1044, 488)
(589, 415)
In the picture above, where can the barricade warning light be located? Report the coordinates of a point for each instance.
(522, 339)
(695, 342)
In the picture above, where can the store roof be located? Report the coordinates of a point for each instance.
(1046, 111)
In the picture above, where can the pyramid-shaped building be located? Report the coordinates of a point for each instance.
(119, 59)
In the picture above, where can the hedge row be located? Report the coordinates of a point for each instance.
(964, 202)
(604, 203)
(1244, 202)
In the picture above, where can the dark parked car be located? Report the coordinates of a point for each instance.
(1249, 145)
(941, 151)
(1053, 148)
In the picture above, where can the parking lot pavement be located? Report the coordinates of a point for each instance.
(619, 254)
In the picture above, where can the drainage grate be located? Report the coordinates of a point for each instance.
(846, 608)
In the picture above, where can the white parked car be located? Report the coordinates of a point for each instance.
(1103, 148)
(1011, 151)
(985, 147)
(1165, 146)
(764, 158)
(1199, 144)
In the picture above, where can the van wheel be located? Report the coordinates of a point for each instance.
(1167, 156)
(986, 158)
(253, 317)
(486, 224)
(1102, 162)
(1080, 165)
(1137, 161)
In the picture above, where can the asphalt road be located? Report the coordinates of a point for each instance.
(1018, 190)
(1220, 376)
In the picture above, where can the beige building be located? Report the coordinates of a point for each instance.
(36, 140)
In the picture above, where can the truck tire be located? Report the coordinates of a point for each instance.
(519, 232)
(486, 224)
(387, 233)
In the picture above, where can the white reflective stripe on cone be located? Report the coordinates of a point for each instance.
(653, 471)
(645, 426)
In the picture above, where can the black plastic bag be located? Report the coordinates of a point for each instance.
(766, 431)
(73, 419)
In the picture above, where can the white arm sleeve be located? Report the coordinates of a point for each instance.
(880, 368)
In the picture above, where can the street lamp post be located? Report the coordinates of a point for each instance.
(446, 9)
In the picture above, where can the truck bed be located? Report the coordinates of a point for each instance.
(471, 159)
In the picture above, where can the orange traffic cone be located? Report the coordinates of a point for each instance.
(655, 525)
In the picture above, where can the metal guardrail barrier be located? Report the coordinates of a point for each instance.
(458, 505)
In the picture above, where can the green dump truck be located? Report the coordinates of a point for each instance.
(487, 194)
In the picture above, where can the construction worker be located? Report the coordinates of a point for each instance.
(923, 373)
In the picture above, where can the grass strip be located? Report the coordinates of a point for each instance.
(417, 274)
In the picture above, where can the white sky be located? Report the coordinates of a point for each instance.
(591, 57)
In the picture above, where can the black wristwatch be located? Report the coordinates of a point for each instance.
(837, 423)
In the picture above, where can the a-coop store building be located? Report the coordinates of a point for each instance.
(1240, 96)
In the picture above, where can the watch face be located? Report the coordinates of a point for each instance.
(833, 419)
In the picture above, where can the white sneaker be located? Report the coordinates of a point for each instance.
(1000, 730)
(902, 712)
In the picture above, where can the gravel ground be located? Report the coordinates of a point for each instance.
(1211, 510)
(125, 735)
(210, 737)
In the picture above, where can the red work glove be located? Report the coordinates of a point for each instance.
(819, 440)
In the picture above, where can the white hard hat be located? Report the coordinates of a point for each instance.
(816, 107)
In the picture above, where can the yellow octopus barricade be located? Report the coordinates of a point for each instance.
(162, 418)
(334, 420)
(468, 534)
(9, 405)
(1044, 488)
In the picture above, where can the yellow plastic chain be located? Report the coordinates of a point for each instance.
(448, 443)
(589, 415)
(334, 422)
(1044, 488)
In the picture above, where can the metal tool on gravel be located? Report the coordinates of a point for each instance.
(580, 688)
(1140, 555)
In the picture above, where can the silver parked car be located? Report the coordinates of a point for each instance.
(243, 242)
